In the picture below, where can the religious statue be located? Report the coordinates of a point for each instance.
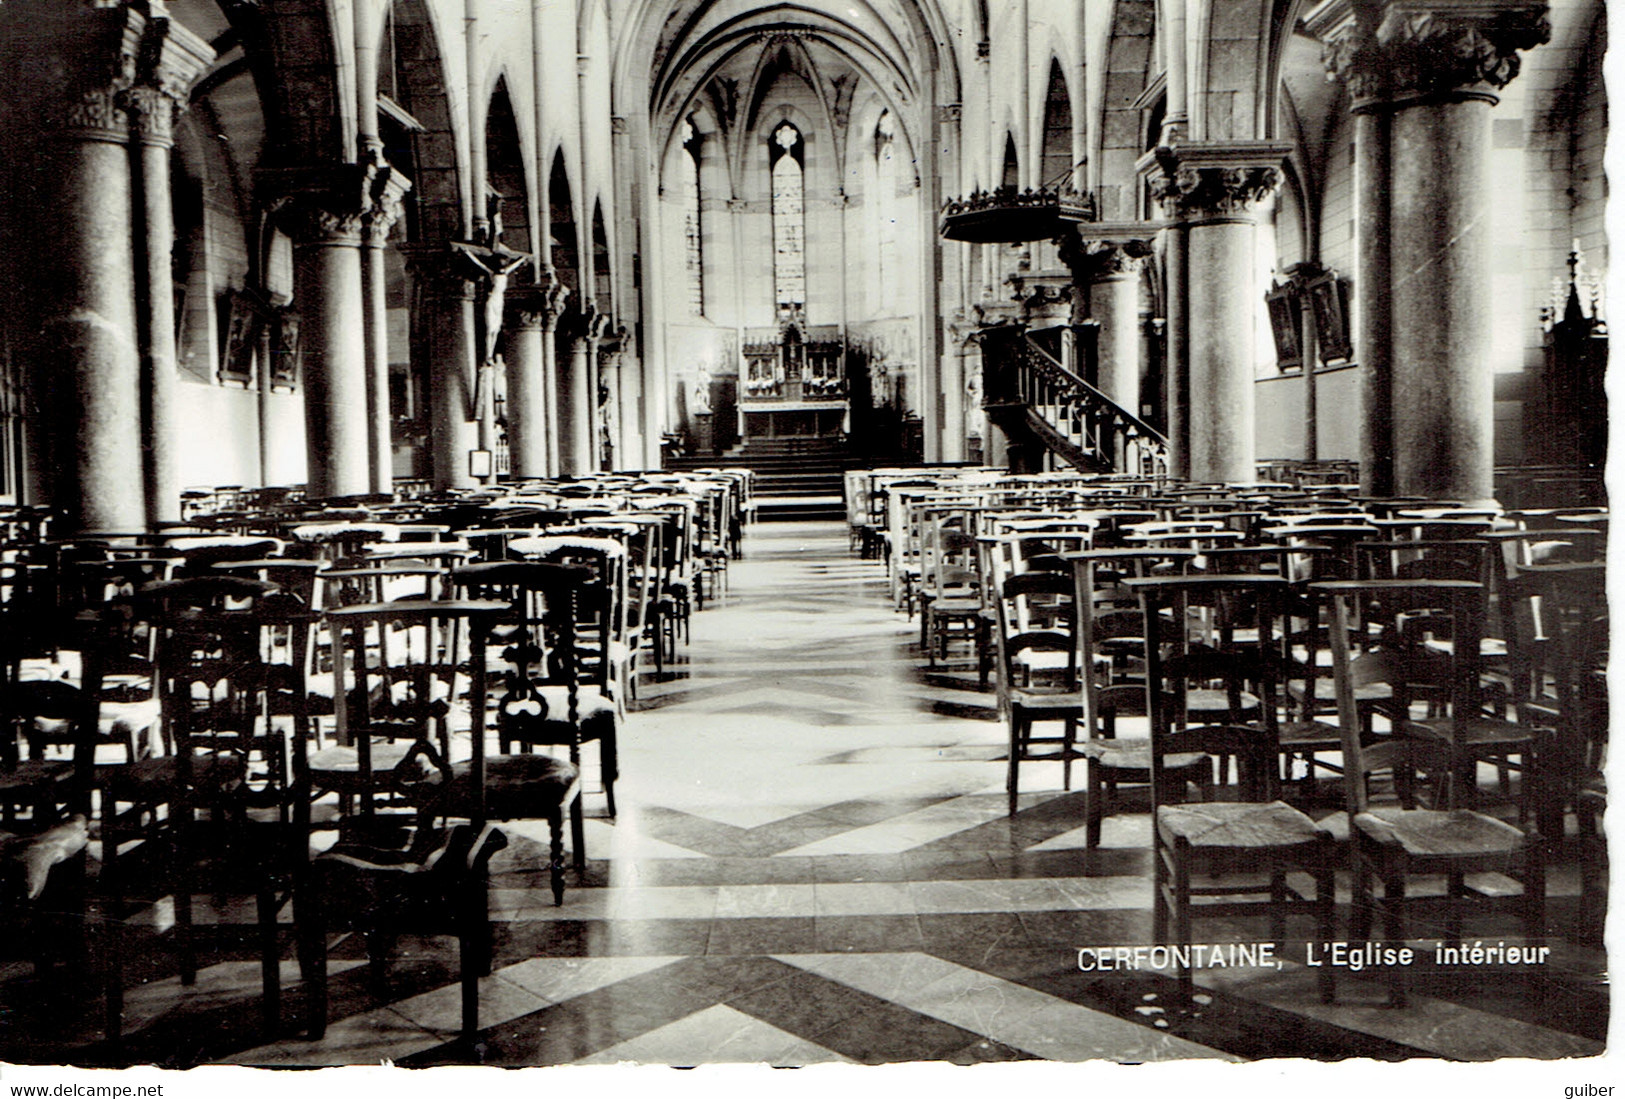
(701, 404)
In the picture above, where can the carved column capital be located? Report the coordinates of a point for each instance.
(92, 57)
(1092, 260)
(540, 306)
(169, 62)
(439, 272)
(320, 205)
(1444, 53)
(387, 190)
(525, 309)
(1400, 52)
(1214, 182)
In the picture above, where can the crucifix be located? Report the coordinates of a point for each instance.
(490, 265)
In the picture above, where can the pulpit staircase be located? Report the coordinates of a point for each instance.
(1041, 406)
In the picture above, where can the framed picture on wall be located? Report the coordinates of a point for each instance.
(285, 350)
(244, 317)
(1329, 298)
(1283, 307)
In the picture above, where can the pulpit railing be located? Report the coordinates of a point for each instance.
(1078, 422)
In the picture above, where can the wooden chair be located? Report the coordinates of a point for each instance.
(1393, 845)
(205, 805)
(546, 700)
(1248, 846)
(950, 592)
(1038, 619)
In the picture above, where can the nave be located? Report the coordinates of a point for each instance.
(812, 862)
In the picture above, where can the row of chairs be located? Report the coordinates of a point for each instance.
(1309, 639)
(214, 706)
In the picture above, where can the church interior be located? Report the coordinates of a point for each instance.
(548, 532)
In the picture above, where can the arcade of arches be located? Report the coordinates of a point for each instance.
(346, 244)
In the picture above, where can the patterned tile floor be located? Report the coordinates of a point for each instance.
(813, 863)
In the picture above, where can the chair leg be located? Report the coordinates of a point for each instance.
(1361, 918)
(1455, 894)
(270, 961)
(1534, 889)
(181, 890)
(1182, 911)
(1160, 897)
(1326, 910)
(1393, 897)
(1018, 740)
(1278, 896)
(555, 864)
(1095, 810)
(609, 766)
(469, 961)
(312, 932)
(1071, 726)
(578, 836)
(112, 923)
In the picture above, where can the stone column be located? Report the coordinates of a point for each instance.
(578, 395)
(172, 58)
(954, 412)
(389, 188)
(86, 365)
(629, 388)
(324, 214)
(1212, 190)
(1176, 393)
(443, 334)
(1422, 77)
(528, 423)
(1106, 276)
(554, 305)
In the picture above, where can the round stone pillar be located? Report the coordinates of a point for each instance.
(389, 188)
(327, 294)
(1422, 77)
(1115, 302)
(1106, 276)
(443, 335)
(1212, 190)
(153, 114)
(1443, 404)
(578, 396)
(953, 391)
(172, 58)
(527, 390)
(1221, 351)
(575, 440)
(90, 367)
(557, 298)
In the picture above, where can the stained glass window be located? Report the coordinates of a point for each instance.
(789, 219)
(693, 248)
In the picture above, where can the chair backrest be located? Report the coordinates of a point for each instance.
(600, 600)
(212, 667)
(1561, 632)
(1173, 665)
(404, 690)
(1037, 613)
(1363, 655)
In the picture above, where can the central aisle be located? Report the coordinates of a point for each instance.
(813, 863)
